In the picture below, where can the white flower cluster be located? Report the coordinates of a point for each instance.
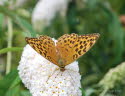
(44, 78)
(46, 10)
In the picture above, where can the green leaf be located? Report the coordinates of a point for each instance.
(89, 91)
(8, 82)
(13, 92)
(25, 93)
(83, 92)
(2, 33)
(118, 37)
(24, 24)
(15, 82)
(1, 23)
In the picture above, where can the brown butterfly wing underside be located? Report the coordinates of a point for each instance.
(66, 50)
(71, 47)
(45, 46)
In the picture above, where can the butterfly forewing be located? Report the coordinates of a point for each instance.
(83, 44)
(71, 47)
(45, 46)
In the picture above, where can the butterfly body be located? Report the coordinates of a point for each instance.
(61, 64)
(67, 49)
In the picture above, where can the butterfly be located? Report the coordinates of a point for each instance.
(67, 49)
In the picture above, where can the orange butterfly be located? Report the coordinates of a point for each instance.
(67, 49)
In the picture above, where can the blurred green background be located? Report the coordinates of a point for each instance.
(102, 68)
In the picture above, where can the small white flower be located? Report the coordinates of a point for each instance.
(46, 10)
(44, 78)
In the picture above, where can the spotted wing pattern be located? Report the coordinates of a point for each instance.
(71, 47)
(45, 46)
(67, 49)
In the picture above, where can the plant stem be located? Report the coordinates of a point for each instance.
(9, 54)
(5, 50)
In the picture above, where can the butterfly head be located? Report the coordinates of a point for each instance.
(62, 69)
